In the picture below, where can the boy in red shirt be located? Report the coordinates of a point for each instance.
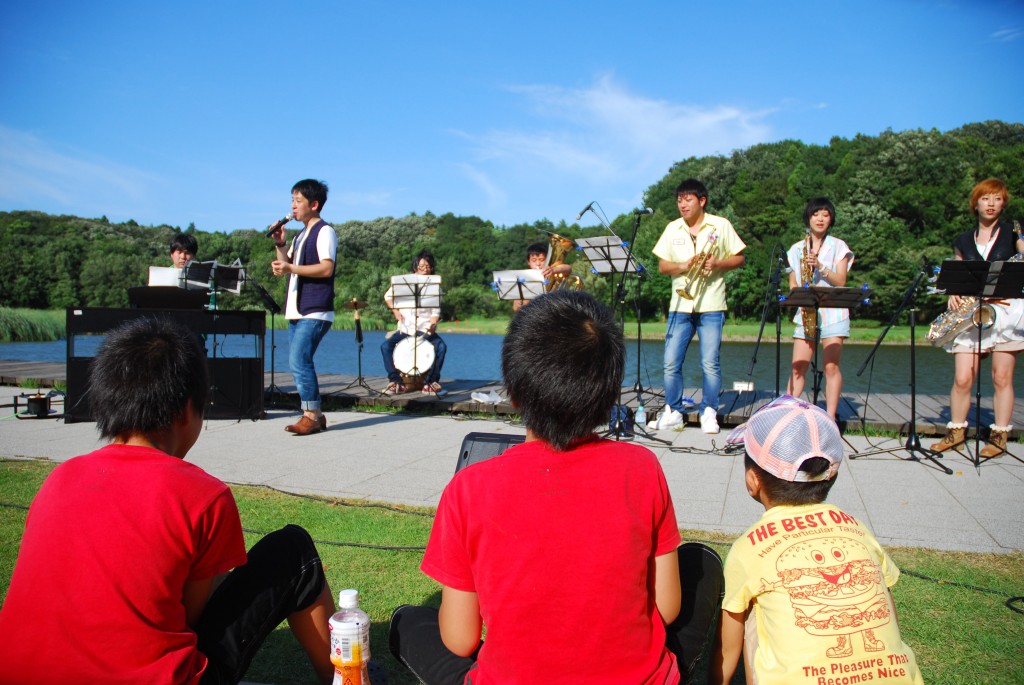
(122, 575)
(564, 547)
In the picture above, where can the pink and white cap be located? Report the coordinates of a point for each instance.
(786, 432)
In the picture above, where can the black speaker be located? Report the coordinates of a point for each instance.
(236, 389)
(482, 446)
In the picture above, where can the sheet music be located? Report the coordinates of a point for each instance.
(164, 276)
(519, 284)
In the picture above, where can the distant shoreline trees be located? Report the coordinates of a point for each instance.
(899, 196)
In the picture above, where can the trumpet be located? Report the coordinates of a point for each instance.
(696, 275)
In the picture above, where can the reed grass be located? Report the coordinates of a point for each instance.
(951, 604)
(31, 325)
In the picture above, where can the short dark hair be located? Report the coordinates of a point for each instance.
(185, 243)
(537, 248)
(692, 186)
(781, 491)
(427, 255)
(312, 190)
(562, 362)
(144, 376)
(814, 205)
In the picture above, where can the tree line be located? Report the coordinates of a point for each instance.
(899, 196)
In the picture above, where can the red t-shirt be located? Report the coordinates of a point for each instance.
(560, 548)
(110, 540)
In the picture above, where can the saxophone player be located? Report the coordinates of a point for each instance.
(990, 240)
(709, 245)
(819, 259)
(537, 259)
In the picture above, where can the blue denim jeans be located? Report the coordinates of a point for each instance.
(681, 327)
(387, 351)
(304, 336)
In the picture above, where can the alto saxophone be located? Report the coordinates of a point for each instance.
(969, 313)
(808, 315)
(695, 275)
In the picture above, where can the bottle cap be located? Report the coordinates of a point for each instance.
(348, 599)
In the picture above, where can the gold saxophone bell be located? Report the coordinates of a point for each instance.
(808, 315)
(558, 248)
(695, 276)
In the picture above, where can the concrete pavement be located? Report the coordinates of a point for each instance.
(408, 459)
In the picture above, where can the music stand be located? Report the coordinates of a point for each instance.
(414, 292)
(984, 281)
(519, 284)
(214, 278)
(913, 443)
(822, 297)
(355, 305)
(609, 254)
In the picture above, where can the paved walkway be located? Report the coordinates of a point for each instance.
(408, 459)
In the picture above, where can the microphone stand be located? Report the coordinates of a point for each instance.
(274, 308)
(913, 443)
(620, 293)
(771, 294)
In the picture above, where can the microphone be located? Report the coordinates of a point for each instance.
(584, 211)
(783, 256)
(646, 211)
(278, 224)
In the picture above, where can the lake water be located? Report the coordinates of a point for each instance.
(478, 357)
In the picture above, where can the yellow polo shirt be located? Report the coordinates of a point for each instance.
(677, 245)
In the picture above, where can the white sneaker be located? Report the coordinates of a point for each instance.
(708, 421)
(669, 418)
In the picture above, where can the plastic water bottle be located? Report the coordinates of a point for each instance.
(350, 641)
(640, 418)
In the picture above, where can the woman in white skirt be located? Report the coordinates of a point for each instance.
(827, 259)
(991, 240)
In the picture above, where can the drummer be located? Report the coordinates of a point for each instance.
(425, 322)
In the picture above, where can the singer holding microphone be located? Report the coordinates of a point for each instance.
(819, 260)
(309, 308)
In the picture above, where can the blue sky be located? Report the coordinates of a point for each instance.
(208, 112)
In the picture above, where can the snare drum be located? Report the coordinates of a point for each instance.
(413, 357)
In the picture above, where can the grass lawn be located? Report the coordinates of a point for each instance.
(955, 621)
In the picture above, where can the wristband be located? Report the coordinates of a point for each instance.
(280, 244)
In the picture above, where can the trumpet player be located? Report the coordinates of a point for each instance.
(991, 240)
(819, 260)
(696, 250)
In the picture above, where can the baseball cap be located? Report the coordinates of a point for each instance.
(786, 432)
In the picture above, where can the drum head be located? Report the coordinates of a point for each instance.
(414, 354)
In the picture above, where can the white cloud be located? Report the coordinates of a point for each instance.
(34, 174)
(494, 194)
(1007, 34)
(608, 135)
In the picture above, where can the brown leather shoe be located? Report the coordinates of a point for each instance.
(307, 426)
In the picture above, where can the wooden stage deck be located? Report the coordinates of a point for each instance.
(880, 412)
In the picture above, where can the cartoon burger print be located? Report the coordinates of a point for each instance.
(836, 590)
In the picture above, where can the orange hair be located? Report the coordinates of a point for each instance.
(990, 186)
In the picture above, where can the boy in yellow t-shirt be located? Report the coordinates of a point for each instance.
(807, 595)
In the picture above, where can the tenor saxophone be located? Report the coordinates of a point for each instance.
(808, 315)
(695, 276)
